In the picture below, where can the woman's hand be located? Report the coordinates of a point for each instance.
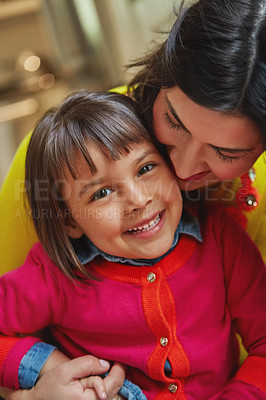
(72, 380)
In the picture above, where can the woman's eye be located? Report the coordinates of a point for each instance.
(146, 168)
(169, 122)
(100, 194)
(225, 158)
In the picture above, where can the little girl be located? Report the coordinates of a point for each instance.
(121, 271)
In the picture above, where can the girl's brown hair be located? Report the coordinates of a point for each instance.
(107, 119)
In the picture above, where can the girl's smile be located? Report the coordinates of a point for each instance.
(147, 228)
(129, 207)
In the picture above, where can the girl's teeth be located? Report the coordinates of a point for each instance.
(148, 226)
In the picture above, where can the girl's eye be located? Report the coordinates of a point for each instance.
(169, 122)
(146, 168)
(100, 194)
(225, 158)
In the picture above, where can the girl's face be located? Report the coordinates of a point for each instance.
(130, 207)
(204, 146)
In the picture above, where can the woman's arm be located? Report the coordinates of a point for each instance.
(63, 379)
(58, 376)
(245, 280)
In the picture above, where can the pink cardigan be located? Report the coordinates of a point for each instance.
(185, 309)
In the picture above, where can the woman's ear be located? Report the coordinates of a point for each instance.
(73, 230)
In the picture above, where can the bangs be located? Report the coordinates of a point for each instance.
(114, 128)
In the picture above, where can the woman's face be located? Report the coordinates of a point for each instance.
(204, 146)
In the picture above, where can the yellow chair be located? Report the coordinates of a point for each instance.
(17, 232)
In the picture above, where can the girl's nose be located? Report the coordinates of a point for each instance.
(138, 196)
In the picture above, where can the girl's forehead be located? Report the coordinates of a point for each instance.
(88, 163)
(80, 159)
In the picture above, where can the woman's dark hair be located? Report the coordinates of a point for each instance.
(108, 120)
(216, 54)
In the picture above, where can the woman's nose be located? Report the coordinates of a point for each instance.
(187, 160)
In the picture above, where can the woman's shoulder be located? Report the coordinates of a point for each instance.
(244, 199)
(256, 214)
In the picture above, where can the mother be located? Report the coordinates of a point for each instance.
(203, 95)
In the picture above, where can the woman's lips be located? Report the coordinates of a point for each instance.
(196, 177)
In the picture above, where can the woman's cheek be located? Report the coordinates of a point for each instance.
(228, 171)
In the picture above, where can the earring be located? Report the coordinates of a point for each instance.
(247, 198)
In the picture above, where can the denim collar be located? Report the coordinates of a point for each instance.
(87, 251)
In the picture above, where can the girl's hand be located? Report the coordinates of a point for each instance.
(72, 380)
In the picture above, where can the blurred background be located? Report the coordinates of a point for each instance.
(49, 48)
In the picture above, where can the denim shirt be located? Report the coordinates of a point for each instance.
(33, 361)
(87, 251)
